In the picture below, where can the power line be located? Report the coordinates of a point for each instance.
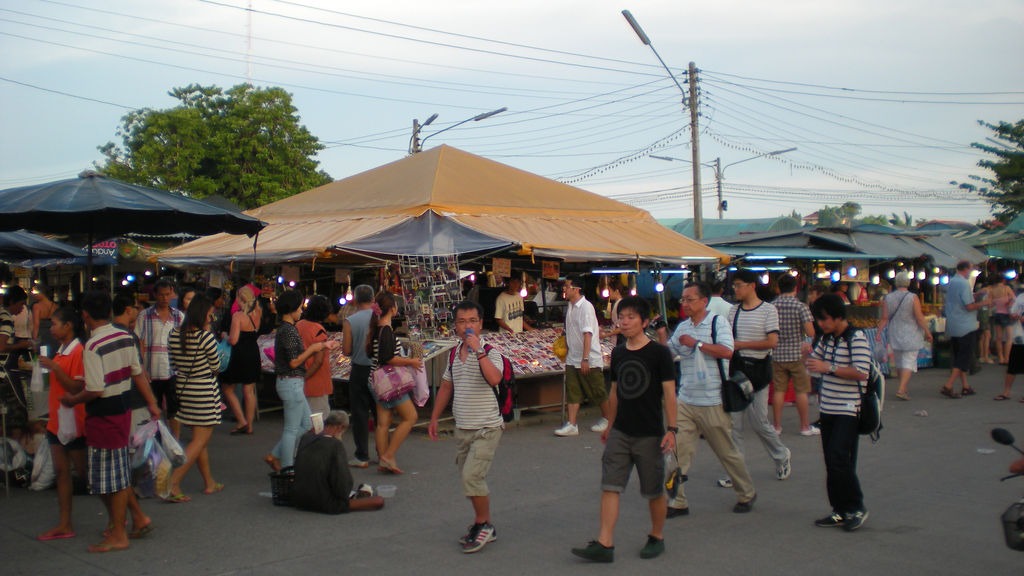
(68, 94)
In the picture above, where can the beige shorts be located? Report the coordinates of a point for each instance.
(783, 372)
(475, 453)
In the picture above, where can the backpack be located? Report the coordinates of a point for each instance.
(505, 391)
(872, 396)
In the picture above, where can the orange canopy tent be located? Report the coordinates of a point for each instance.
(446, 201)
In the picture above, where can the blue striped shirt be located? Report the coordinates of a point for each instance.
(693, 389)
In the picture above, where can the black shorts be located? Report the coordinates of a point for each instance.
(1002, 319)
(76, 444)
(963, 351)
(1015, 365)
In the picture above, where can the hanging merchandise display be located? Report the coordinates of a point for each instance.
(430, 290)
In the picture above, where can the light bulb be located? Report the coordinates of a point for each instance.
(632, 291)
(604, 293)
(765, 279)
(348, 294)
(875, 280)
(935, 280)
(659, 287)
(291, 284)
(920, 275)
(342, 301)
(852, 272)
(523, 292)
(944, 280)
(890, 274)
(835, 276)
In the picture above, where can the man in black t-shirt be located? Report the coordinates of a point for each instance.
(642, 427)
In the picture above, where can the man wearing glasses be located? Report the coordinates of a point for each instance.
(755, 330)
(469, 383)
(584, 362)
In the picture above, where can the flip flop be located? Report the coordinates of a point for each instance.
(141, 532)
(55, 536)
(948, 393)
(968, 391)
(241, 430)
(177, 499)
(1001, 397)
(389, 468)
(273, 462)
(903, 396)
(103, 548)
(216, 488)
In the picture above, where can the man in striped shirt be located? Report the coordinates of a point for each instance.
(153, 326)
(843, 357)
(111, 364)
(471, 380)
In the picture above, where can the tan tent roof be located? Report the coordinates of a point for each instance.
(542, 216)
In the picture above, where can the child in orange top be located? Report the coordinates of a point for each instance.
(67, 376)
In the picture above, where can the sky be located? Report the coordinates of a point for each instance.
(881, 99)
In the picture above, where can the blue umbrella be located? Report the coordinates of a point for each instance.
(21, 245)
(97, 205)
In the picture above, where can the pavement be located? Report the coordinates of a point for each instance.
(931, 484)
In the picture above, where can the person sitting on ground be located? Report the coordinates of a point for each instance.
(323, 482)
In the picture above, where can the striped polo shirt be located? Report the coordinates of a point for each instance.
(753, 325)
(110, 359)
(474, 404)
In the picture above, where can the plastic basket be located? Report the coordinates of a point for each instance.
(281, 486)
(1013, 526)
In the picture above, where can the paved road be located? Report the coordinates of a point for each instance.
(931, 484)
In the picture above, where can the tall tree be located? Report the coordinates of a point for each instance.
(245, 144)
(1005, 188)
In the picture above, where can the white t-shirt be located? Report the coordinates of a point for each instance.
(752, 325)
(1017, 329)
(509, 307)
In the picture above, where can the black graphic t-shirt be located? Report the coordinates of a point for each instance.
(638, 375)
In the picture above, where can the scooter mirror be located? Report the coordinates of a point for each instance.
(1002, 436)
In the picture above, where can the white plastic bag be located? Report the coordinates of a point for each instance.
(36, 384)
(701, 366)
(170, 445)
(43, 475)
(67, 428)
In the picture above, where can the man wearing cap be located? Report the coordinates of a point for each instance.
(323, 482)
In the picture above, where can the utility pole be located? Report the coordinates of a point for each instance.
(698, 216)
(718, 184)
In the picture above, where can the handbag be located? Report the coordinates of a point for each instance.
(675, 478)
(734, 397)
(390, 382)
(758, 370)
(224, 352)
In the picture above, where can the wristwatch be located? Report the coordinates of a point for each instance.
(832, 370)
(673, 429)
(700, 345)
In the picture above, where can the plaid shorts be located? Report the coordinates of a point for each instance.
(109, 470)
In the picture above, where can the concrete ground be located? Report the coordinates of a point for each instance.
(931, 484)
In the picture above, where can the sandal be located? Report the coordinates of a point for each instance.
(389, 468)
(948, 393)
(1001, 397)
(968, 391)
(217, 487)
(273, 462)
(177, 499)
(241, 430)
(140, 532)
(903, 396)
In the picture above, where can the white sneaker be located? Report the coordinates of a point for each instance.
(811, 431)
(568, 430)
(601, 425)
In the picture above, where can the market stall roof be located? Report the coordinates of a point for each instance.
(732, 226)
(481, 205)
(830, 243)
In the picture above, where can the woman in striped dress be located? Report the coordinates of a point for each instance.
(196, 363)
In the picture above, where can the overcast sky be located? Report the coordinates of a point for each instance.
(881, 98)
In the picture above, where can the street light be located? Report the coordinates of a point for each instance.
(720, 174)
(416, 145)
(720, 171)
(414, 142)
(698, 218)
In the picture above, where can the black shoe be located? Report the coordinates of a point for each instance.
(677, 512)
(854, 520)
(744, 507)
(833, 520)
(654, 547)
(596, 552)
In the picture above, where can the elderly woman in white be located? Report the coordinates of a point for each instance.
(908, 330)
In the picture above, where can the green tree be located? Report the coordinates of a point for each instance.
(245, 144)
(879, 219)
(1005, 188)
(834, 216)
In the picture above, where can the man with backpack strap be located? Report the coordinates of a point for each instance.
(469, 382)
(843, 358)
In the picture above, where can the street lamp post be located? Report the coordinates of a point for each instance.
(720, 174)
(416, 145)
(698, 218)
(720, 171)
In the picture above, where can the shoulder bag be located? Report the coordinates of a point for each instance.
(734, 398)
